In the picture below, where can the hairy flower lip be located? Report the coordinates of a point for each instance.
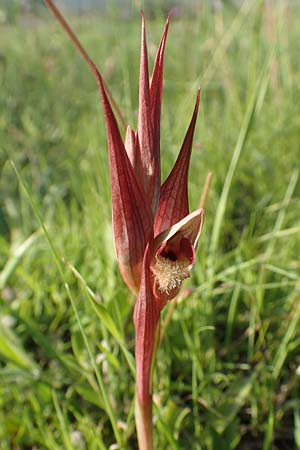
(170, 266)
(173, 255)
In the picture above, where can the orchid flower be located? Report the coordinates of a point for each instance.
(155, 235)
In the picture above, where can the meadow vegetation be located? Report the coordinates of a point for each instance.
(228, 368)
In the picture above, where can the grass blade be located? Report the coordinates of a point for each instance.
(253, 109)
(58, 260)
(62, 423)
(15, 258)
(105, 318)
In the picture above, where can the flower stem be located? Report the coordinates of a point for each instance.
(143, 419)
(143, 410)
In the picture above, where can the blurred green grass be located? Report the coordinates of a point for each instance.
(226, 375)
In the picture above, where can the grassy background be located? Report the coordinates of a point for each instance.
(226, 375)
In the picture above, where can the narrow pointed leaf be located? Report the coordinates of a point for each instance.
(157, 76)
(146, 316)
(156, 88)
(146, 162)
(132, 219)
(173, 201)
(57, 14)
